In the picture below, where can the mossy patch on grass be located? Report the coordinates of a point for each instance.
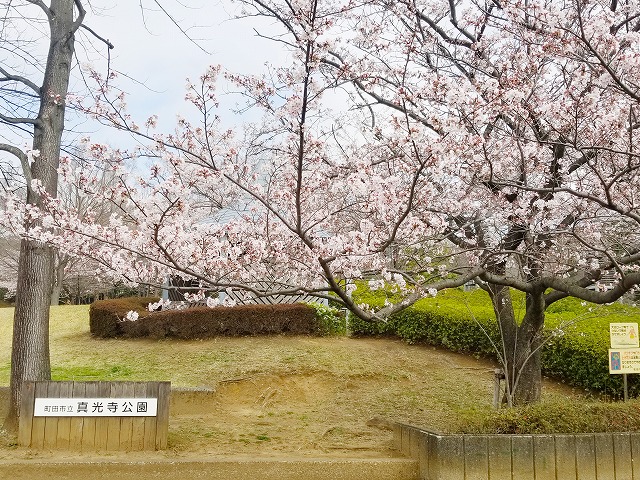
(84, 373)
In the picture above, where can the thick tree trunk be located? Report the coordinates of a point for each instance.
(30, 350)
(30, 353)
(520, 345)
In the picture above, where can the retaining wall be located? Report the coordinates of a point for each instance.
(599, 456)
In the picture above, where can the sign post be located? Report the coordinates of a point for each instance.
(624, 354)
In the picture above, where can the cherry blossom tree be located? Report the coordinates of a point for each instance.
(529, 109)
(37, 57)
(416, 145)
(68, 269)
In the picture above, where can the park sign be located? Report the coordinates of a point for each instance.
(94, 415)
(624, 360)
(624, 354)
(95, 407)
(624, 335)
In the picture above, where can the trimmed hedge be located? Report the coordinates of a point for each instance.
(576, 353)
(105, 316)
(107, 320)
(331, 321)
(579, 355)
(453, 319)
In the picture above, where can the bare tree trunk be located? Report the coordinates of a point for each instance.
(30, 351)
(521, 345)
(60, 264)
(56, 291)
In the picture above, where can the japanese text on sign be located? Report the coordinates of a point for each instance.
(95, 407)
(625, 360)
(624, 335)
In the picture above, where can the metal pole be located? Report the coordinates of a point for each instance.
(626, 390)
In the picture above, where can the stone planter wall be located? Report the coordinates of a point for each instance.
(600, 456)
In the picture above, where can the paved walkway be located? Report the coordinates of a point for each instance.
(220, 469)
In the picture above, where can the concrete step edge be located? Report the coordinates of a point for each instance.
(214, 469)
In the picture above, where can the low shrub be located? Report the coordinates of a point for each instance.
(459, 321)
(331, 321)
(106, 316)
(108, 319)
(576, 351)
(565, 416)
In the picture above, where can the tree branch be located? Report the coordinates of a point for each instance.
(24, 160)
(182, 30)
(81, 14)
(102, 39)
(18, 78)
(454, 21)
(616, 79)
(14, 120)
(443, 35)
(42, 6)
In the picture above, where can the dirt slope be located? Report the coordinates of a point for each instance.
(309, 397)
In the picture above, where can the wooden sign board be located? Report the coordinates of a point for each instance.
(95, 407)
(95, 415)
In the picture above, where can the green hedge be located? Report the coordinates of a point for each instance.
(107, 319)
(579, 355)
(453, 319)
(577, 352)
(331, 321)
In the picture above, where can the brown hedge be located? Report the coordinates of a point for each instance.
(106, 320)
(105, 316)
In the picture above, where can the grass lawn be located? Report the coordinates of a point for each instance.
(281, 393)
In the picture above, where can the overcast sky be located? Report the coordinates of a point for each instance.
(158, 57)
(155, 57)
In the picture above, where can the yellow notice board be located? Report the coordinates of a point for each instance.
(624, 360)
(624, 335)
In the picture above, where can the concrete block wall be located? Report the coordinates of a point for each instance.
(600, 456)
